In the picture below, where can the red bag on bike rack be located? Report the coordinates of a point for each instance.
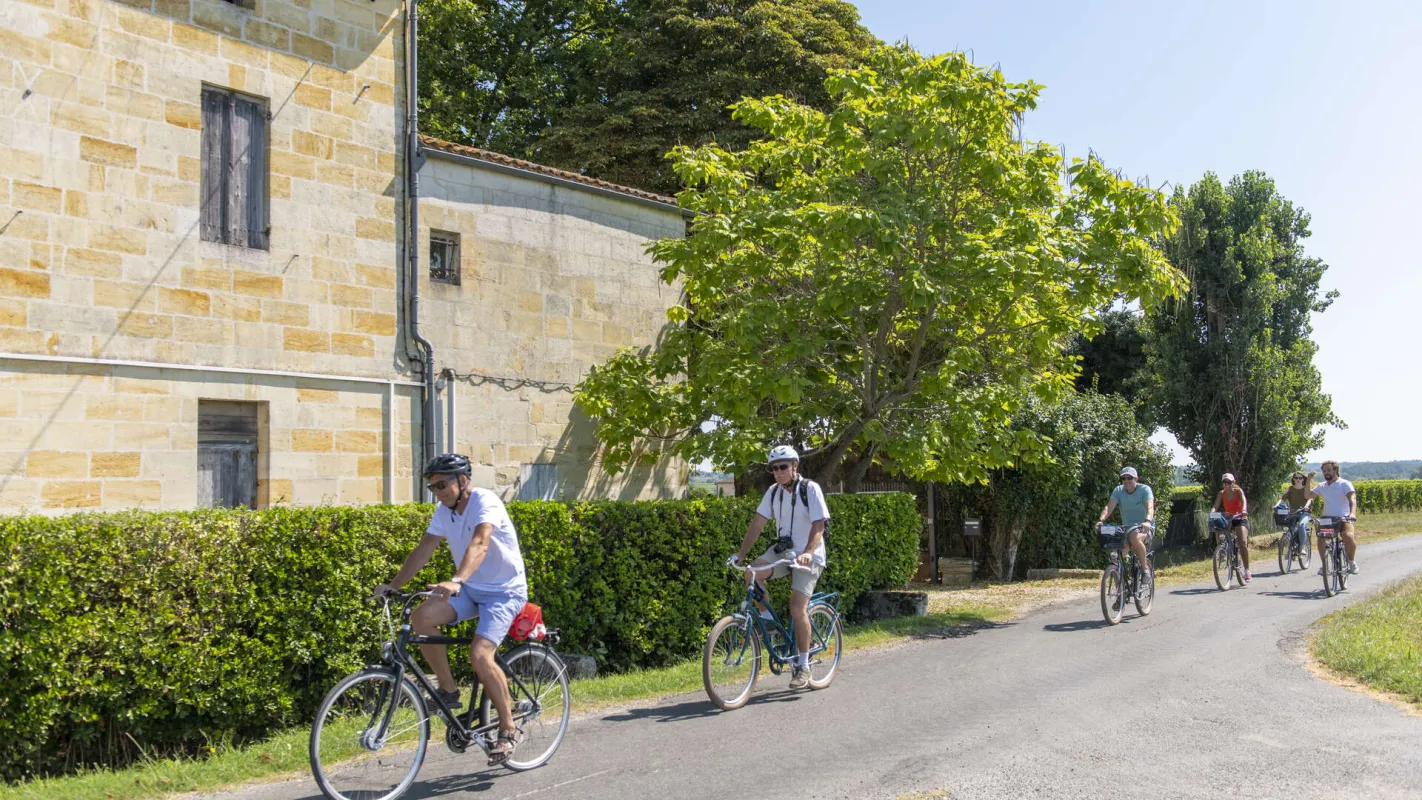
(528, 624)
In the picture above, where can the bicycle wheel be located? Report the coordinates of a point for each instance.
(1286, 556)
(1145, 592)
(824, 632)
(1344, 563)
(1224, 571)
(1327, 563)
(541, 708)
(730, 663)
(1112, 599)
(355, 753)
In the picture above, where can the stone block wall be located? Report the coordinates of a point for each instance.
(101, 256)
(554, 279)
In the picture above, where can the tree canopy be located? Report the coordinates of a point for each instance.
(889, 279)
(608, 87)
(1231, 361)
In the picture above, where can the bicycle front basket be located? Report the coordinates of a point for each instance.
(1281, 515)
(1111, 537)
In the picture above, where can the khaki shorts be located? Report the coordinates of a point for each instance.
(801, 580)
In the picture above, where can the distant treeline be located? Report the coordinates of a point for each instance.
(1352, 470)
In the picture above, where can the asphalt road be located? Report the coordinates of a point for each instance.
(1206, 697)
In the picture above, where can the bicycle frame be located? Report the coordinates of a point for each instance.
(395, 656)
(785, 653)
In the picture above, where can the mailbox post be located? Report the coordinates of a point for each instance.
(972, 535)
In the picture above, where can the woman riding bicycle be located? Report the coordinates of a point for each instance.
(1236, 505)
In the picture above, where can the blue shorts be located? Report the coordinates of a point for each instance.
(496, 612)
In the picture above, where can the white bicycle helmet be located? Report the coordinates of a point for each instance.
(783, 453)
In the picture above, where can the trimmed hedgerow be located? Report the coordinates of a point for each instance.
(158, 633)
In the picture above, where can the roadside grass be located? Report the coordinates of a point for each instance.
(1378, 642)
(285, 754)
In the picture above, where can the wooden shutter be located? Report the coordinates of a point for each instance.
(227, 454)
(247, 199)
(214, 160)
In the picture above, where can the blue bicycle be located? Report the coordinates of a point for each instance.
(1294, 545)
(731, 662)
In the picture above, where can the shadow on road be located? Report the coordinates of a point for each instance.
(1313, 595)
(962, 631)
(1079, 625)
(694, 709)
(1196, 591)
(481, 781)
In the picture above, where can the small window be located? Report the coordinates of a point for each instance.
(227, 454)
(234, 169)
(538, 482)
(444, 257)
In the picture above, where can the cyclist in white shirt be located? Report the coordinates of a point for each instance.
(1340, 500)
(488, 581)
(798, 507)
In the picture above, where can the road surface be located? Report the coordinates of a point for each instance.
(1207, 697)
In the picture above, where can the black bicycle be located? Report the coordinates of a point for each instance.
(1335, 556)
(1123, 579)
(1229, 571)
(1295, 546)
(373, 729)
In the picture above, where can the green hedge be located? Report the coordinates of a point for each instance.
(166, 631)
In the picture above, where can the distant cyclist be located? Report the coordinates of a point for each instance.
(1137, 504)
(1236, 507)
(1340, 500)
(798, 507)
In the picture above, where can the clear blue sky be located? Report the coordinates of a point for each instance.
(1324, 97)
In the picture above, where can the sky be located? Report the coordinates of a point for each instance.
(1326, 98)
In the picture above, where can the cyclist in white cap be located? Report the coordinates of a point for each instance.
(798, 507)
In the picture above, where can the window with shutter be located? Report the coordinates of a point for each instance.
(227, 454)
(234, 169)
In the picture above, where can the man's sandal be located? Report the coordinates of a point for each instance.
(503, 747)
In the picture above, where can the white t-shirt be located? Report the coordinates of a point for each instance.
(502, 570)
(792, 518)
(1335, 497)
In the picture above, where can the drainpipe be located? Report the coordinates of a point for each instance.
(413, 161)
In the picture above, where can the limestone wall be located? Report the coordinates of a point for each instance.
(554, 279)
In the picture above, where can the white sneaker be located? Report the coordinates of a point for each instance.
(799, 677)
(1353, 568)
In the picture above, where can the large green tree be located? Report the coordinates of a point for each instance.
(1232, 360)
(607, 87)
(493, 72)
(672, 68)
(888, 280)
(1113, 361)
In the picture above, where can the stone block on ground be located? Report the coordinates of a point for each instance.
(877, 605)
(579, 666)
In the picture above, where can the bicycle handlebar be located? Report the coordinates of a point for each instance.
(784, 562)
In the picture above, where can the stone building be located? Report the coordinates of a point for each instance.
(203, 271)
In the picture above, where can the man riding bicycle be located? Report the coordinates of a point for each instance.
(1137, 504)
(1340, 500)
(798, 507)
(1232, 498)
(488, 582)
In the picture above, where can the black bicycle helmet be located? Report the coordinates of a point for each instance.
(447, 464)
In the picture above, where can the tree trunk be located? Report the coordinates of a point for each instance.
(1006, 536)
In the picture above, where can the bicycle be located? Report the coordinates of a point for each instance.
(730, 663)
(372, 729)
(1229, 571)
(1295, 544)
(1123, 579)
(1334, 559)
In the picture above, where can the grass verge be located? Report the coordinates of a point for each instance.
(286, 753)
(1378, 642)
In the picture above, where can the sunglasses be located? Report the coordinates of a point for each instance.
(1127, 478)
(780, 467)
(438, 486)
(1227, 483)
